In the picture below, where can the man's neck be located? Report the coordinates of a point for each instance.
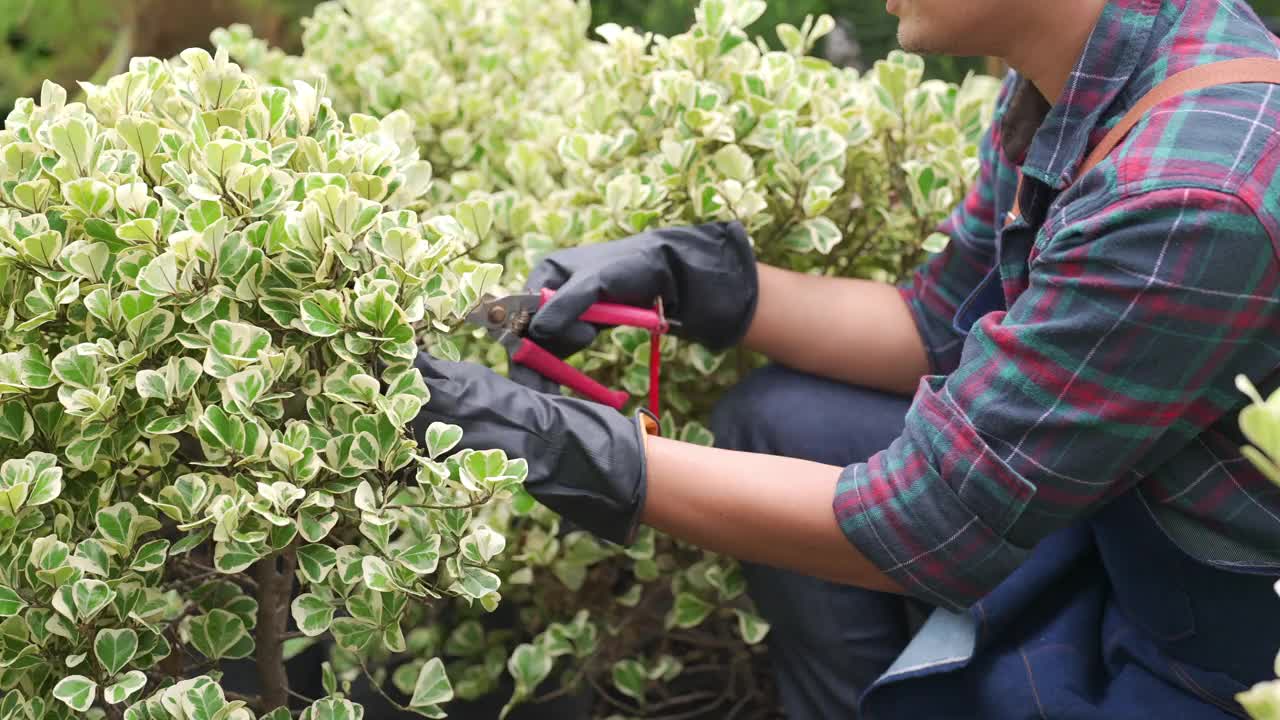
(1050, 46)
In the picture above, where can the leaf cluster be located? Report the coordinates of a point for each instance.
(212, 292)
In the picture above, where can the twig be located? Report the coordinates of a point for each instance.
(377, 687)
(200, 577)
(241, 578)
(564, 689)
(428, 506)
(685, 699)
(737, 707)
(607, 697)
(705, 640)
(252, 701)
(866, 240)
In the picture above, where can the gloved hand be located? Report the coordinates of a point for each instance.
(586, 461)
(705, 275)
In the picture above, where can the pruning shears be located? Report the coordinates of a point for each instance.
(507, 321)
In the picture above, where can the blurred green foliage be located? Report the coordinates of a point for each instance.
(875, 29)
(70, 40)
(63, 38)
(66, 40)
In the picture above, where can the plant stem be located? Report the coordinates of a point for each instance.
(250, 700)
(377, 687)
(275, 584)
(565, 688)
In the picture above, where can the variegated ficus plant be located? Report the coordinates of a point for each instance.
(579, 136)
(211, 295)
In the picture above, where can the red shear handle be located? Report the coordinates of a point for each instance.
(562, 373)
(603, 313)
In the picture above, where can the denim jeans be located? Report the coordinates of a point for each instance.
(828, 642)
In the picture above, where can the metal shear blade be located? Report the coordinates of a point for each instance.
(505, 315)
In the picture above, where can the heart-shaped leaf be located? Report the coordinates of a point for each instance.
(376, 574)
(117, 525)
(323, 313)
(233, 557)
(89, 598)
(222, 431)
(630, 679)
(482, 545)
(354, 635)
(141, 134)
(129, 684)
(115, 648)
(221, 635)
(423, 557)
(432, 687)
(89, 196)
(316, 561)
(161, 277)
(77, 691)
(150, 556)
(690, 610)
(529, 665)
(476, 582)
(10, 602)
(441, 438)
(16, 424)
(752, 627)
(313, 614)
(77, 366)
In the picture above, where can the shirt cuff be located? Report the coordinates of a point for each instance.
(935, 522)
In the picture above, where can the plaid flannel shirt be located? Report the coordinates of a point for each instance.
(1090, 349)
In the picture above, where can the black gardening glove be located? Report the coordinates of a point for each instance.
(586, 461)
(705, 275)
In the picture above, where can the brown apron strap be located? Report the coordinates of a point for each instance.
(1226, 72)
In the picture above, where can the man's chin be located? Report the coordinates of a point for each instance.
(912, 43)
(919, 43)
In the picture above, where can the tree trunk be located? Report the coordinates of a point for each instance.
(274, 574)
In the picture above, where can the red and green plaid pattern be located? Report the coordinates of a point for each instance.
(1102, 357)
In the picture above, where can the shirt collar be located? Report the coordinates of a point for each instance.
(1051, 141)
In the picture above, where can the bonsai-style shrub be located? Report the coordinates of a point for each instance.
(580, 139)
(211, 295)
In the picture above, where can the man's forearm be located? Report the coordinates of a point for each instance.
(856, 331)
(759, 508)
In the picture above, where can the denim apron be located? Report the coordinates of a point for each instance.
(1107, 618)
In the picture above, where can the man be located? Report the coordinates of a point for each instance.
(1034, 438)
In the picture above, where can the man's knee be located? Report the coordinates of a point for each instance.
(738, 418)
(779, 411)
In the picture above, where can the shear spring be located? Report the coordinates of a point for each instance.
(520, 325)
